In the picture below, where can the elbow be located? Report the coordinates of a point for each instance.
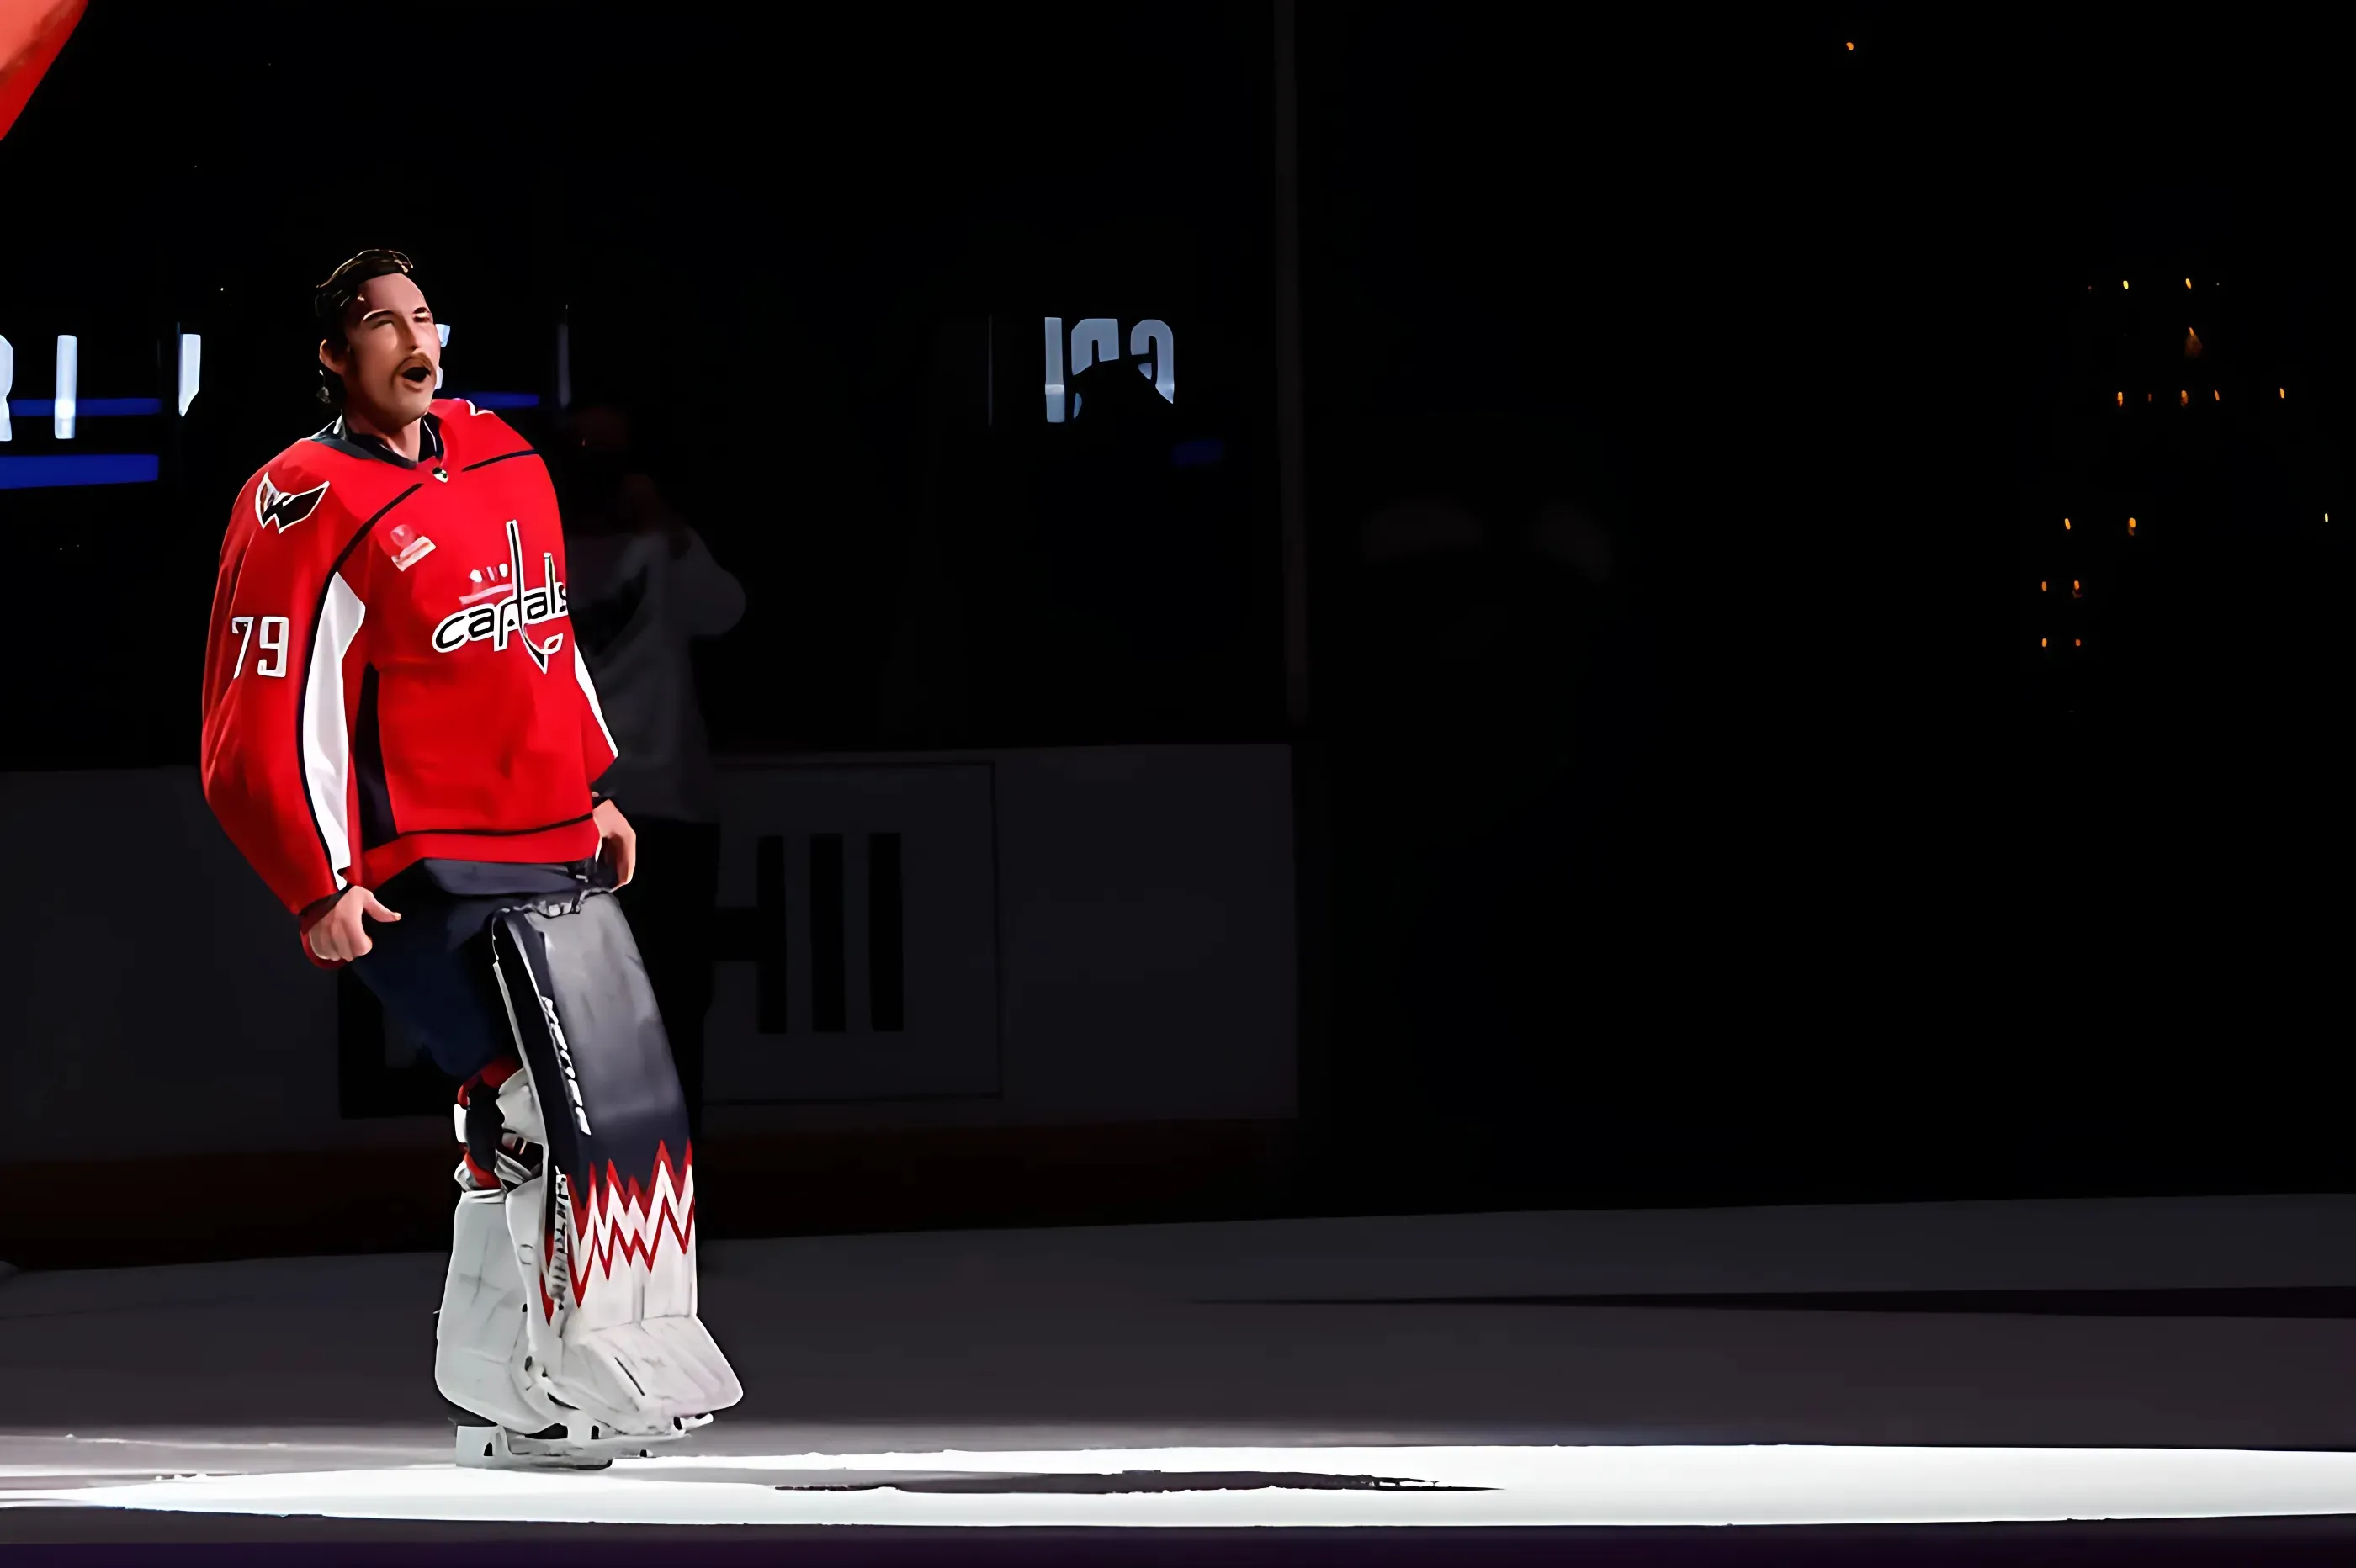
(720, 612)
(216, 777)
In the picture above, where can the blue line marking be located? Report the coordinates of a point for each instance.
(498, 400)
(85, 408)
(97, 468)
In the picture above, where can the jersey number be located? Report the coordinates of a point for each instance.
(274, 644)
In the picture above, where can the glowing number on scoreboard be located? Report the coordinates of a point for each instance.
(1151, 342)
(62, 408)
(1096, 338)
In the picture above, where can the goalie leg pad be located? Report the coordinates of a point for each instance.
(481, 1340)
(614, 1250)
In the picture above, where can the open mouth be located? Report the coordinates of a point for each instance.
(417, 375)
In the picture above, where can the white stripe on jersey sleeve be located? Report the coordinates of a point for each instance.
(581, 673)
(326, 729)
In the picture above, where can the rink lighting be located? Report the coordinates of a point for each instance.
(192, 361)
(1458, 1487)
(61, 410)
(88, 407)
(98, 469)
(1057, 391)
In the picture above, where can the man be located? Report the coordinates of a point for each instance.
(400, 737)
(644, 586)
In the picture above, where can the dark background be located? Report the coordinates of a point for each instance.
(1782, 863)
(780, 242)
(1878, 906)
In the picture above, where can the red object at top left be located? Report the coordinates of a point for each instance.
(31, 34)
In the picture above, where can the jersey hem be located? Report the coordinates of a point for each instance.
(568, 841)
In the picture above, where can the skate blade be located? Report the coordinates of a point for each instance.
(587, 1444)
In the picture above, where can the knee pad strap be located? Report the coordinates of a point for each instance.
(497, 1122)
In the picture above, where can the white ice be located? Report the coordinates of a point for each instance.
(302, 1386)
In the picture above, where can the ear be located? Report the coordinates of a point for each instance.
(332, 360)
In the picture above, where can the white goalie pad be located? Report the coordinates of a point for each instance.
(481, 1339)
(603, 1353)
(604, 1232)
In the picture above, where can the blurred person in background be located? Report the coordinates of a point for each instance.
(645, 585)
(1497, 712)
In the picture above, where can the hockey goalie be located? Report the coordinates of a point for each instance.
(401, 738)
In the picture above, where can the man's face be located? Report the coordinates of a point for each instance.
(393, 353)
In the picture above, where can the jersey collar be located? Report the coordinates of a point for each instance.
(352, 442)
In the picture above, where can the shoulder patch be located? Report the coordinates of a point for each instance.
(282, 509)
(405, 545)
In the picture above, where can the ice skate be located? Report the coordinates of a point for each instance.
(580, 1442)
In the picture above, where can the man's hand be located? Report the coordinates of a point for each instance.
(618, 842)
(340, 937)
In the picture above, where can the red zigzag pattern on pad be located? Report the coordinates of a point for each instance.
(622, 1220)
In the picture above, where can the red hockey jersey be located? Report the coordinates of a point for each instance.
(392, 674)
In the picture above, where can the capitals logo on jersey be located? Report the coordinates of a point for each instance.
(507, 617)
(280, 510)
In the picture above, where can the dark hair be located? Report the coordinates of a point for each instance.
(329, 298)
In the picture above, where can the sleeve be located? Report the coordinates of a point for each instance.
(706, 600)
(276, 755)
